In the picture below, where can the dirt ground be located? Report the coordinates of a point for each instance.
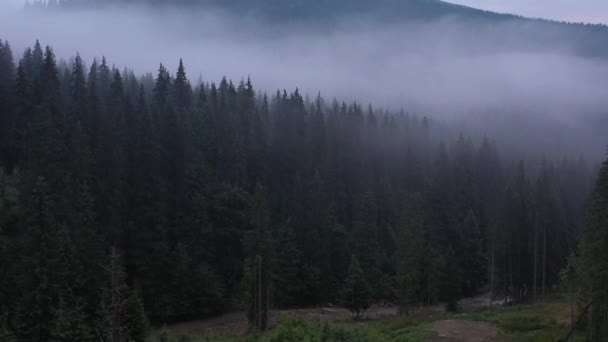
(464, 331)
(237, 322)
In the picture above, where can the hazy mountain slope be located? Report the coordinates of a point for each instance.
(579, 39)
(315, 9)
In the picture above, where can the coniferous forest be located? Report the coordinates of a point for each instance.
(134, 201)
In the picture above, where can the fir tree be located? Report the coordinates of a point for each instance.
(594, 258)
(357, 293)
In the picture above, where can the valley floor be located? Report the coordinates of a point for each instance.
(549, 321)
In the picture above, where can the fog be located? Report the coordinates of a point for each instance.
(444, 68)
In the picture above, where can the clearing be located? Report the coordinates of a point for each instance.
(475, 323)
(464, 331)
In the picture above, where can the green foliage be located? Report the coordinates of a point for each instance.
(296, 330)
(529, 323)
(525, 323)
(473, 260)
(356, 293)
(413, 255)
(593, 270)
(122, 313)
(287, 283)
(219, 197)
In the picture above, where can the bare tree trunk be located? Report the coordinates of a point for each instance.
(491, 272)
(428, 288)
(511, 269)
(571, 310)
(604, 331)
(535, 262)
(2, 186)
(116, 300)
(260, 292)
(504, 282)
(544, 259)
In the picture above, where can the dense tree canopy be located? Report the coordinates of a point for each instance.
(593, 263)
(170, 201)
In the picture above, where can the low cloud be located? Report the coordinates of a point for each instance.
(446, 68)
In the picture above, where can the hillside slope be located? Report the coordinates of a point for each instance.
(521, 33)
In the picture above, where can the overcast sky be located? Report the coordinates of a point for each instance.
(589, 11)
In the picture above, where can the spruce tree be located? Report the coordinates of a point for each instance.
(473, 260)
(413, 253)
(287, 281)
(259, 264)
(123, 317)
(356, 293)
(594, 258)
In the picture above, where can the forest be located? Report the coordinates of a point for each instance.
(129, 201)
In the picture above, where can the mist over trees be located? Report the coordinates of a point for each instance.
(587, 39)
(132, 200)
(506, 78)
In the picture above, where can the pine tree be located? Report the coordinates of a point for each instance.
(414, 255)
(287, 281)
(357, 293)
(520, 215)
(260, 262)
(594, 258)
(473, 261)
(7, 115)
(365, 235)
(173, 177)
(123, 318)
(36, 308)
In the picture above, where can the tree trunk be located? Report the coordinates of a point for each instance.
(511, 269)
(604, 331)
(2, 186)
(504, 281)
(491, 272)
(571, 310)
(260, 292)
(428, 288)
(544, 259)
(535, 261)
(115, 308)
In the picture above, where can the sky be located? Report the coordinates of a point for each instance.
(588, 11)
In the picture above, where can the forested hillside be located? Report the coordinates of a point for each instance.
(128, 200)
(511, 31)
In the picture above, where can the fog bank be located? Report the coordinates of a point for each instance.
(444, 68)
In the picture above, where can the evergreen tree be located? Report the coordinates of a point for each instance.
(287, 281)
(594, 258)
(357, 293)
(365, 236)
(473, 261)
(413, 254)
(123, 318)
(259, 264)
(174, 177)
(40, 286)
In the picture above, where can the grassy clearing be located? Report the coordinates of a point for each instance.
(393, 329)
(538, 323)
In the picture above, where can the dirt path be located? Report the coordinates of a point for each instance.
(237, 322)
(464, 331)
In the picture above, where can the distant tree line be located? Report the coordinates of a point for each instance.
(127, 200)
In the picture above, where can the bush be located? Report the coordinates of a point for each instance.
(525, 323)
(297, 330)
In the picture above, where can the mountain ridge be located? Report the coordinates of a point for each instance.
(588, 40)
